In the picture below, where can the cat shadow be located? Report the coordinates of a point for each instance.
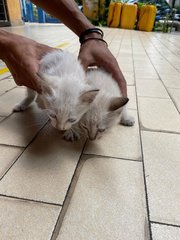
(50, 151)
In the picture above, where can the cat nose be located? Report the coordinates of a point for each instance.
(61, 128)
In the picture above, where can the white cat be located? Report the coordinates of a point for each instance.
(107, 109)
(65, 94)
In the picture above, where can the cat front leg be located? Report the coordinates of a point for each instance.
(31, 95)
(72, 134)
(126, 119)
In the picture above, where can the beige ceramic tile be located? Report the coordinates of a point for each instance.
(126, 67)
(171, 81)
(158, 114)
(129, 76)
(165, 69)
(44, 171)
(145, 74)
(5, 75)
(120, 142)
(108, 200)
(26, 220)
(132, 104)
(6, 85)
(175, 94)
(9, 100)
(162, 168)
(163, 232)
(147, 79)
(151, 88)
(7, 157)
(20, 128)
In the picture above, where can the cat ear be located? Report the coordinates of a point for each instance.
(89, 96)
(117, 102)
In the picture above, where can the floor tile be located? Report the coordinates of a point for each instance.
(158, 114)
(5, 75)
(45, 169)
(6, 85)
(20, 128)
(144, 74)
(102, 206)
(120, 142)
(151, 88)
(171, 81)
(126, 67)
(26, 220)
(7, 157)
(165, 69)
(10, 99)
(132, 104)
(129, 76)
(162, 168)
(163, 232)
(175, 94)
(147, 79)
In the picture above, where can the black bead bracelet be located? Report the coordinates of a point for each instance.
(93, 38)
(88, 31)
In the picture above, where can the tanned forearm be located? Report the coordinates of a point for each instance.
(4, 39)
(67, 11)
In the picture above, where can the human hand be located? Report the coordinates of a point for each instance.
(96, 53)
(22, 57)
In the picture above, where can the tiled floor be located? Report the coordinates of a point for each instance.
(122, 187)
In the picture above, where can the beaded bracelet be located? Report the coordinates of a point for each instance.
(88, 31)
(93, 38)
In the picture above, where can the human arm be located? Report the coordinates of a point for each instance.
(91, 52)
(24, 67)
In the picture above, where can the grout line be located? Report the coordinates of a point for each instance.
(68, 196)
(169, 48)
(10, 89)
(118, 158)
(143, 165)
(159, 74)
(165, 224)
(35, 136)
(29, 200)
(158, 131)
(166, 98)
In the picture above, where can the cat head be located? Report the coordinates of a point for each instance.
(102, 116)
(65, 105)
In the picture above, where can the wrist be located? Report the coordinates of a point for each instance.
(91, 33)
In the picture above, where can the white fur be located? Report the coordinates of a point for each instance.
(65, 94)
(99, 117)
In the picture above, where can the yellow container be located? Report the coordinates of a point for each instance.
(114, 14)
(128, 16)
(91, 9)
(147, 16)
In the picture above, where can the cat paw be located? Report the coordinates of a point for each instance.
(71, 136)
(19, 108)
(128, 121)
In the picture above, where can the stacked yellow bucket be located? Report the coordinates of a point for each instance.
(125, 16)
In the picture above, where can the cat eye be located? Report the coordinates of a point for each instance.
(71, 120)
(101, 130)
